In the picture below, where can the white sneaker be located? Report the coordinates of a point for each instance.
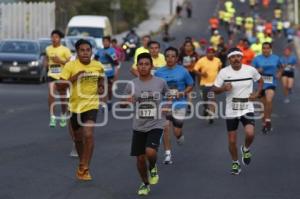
(73, 152)
(168, 159)
(180, 141)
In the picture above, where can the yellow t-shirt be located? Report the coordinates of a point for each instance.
(63, 53)
(84, 92)
(257, 48)
(211, 67)
(215, 40)
(136, 54)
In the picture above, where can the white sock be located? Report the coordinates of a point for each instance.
(235, 161)
(245, 149)
(268, 120)
(168, 152)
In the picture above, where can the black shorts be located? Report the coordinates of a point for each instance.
(207, 93)
(143, 140)
(263, 92)
(78, 118)
(233, 123)
(289, 74)
(51, 79)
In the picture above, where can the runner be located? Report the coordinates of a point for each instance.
(158, 59)
(237, 81)
(56, 57)
(289, 62)
(107, 56)
(181, 84)
(146, 93)
(142, 49)
(248, 54)
(207, 69)
(269, 66)
(85, 75)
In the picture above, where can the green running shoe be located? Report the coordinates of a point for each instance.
(236, 168)
(246, 156)
(154, 177)
(144, 190)
(63, 122)
(52, 122)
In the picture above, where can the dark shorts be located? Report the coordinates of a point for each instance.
(233, 123)
(263, 92)
(143, 140)
(78, 118)
(176, 117)
(51, 79)
(289, 74)
(193, 75)
(207, 93)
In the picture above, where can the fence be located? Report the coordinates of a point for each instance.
(26, 20)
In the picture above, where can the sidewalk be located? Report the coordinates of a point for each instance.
(158, 10)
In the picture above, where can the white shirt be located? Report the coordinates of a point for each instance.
(237, 103)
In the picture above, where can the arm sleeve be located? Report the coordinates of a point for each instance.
(219, 80)
(66, 72)
(198, 65)
(255, 75)
(255, 63)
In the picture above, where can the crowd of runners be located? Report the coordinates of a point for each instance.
(239, 63)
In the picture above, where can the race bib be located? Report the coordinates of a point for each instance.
(187, 61)
(268, 79)
(146, 111)
(173, 92)
(107, 67)
(239, 104)
(153, 71)
(288, 68)
(55, 69)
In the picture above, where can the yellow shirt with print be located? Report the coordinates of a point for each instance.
(84, 92)
(63, 53)
(136, 54)
(211, 67)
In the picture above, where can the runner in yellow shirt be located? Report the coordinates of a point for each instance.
(86, 77)
(142, 49)
(56, 57)
(207, 69)
(158, 59)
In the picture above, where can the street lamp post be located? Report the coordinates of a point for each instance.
(115, 5)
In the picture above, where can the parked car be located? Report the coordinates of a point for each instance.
(21, 59)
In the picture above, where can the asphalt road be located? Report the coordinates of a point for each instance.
(34, 161)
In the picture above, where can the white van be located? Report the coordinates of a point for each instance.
(89, 25)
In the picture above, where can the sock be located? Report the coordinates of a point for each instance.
(245, 149)
(146, 183)
(168, 152)
(235, 161)
(152, 164)
(268, 120)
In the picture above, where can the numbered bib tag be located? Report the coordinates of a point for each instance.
(55, 69)
(107, 67)
(173, 92)
(239, 104)
(146, 111)
(211, 95)
(153, 71)
(187, 61)
(268, 79)
(288, 68)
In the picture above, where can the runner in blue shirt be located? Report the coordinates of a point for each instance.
(107, 56)
(288, 62)
(180, 84)
(269, 67)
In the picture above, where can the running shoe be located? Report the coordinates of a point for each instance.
(73, 152)
(246, 156)
(180, 140)
(63, 122)
(52, 122)
(236, 168)
(168, 159)
(154, 176)
(144, 190)
(83, 174)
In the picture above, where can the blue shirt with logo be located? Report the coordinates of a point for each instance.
(177, 78)
(107, 56)
(270, 66)
(289, 62)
